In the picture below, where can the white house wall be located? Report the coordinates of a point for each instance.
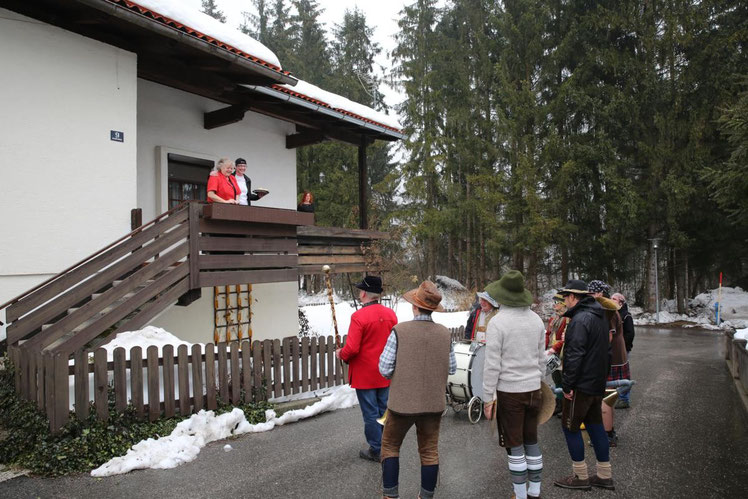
(66, 188)
(170, 120)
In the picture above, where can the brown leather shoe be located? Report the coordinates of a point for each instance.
(603, 483)
(572, 482)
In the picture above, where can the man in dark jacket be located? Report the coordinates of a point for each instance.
(585, 371)
(628, 338)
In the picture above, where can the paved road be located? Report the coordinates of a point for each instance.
(685, 436)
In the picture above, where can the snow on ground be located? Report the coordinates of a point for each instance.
(320, 317)
(143, 338)
(191, 435)
(742, 334)
(701, 312)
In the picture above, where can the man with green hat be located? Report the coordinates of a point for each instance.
(512, 373)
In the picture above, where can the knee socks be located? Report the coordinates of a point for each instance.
(534, 468)
(575, 444)
(518, 470)
(429, 474)
(580, 470)
(390, 476)
(599, 438)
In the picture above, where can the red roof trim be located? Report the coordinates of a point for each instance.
(325, 104)
(186, 29)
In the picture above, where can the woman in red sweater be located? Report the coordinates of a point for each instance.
(222, 187)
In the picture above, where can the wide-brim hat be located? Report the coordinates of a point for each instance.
(370, 284)
(425, 296)
(510, 290)
(576, 286)
(558, 297)
(548, 403)
(487, 297)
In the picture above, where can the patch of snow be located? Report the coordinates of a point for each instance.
(320, 318)
(191, 435)
(445, 282)
(227, 448)
(339, 102)
(320, 298)
(179, 11)
(144, 338)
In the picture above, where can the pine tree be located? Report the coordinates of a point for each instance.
(211, 8)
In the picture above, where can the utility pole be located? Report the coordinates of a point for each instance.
(655, 245)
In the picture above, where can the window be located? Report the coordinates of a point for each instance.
(188, 178)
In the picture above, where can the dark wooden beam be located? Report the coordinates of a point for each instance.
(304, 139)
(363, 183)
(223, 117)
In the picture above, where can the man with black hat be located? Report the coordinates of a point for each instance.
(419, 358)
(370, 327)
(584, 377)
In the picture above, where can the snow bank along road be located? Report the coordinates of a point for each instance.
(686, 435)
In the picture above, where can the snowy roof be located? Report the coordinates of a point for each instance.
(175, 13)
(339, 103)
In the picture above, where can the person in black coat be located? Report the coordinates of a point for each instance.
(624, 401)
(585, 372)
(245, 183)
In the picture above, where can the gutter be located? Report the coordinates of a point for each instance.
(324, 110)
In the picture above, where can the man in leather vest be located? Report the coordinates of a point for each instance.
(418, 357)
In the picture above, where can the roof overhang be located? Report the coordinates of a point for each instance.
(171, 55)
(168, 54)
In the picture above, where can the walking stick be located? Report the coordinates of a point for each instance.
(326, 270)
(328, 282)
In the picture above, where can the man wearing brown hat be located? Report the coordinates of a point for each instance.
(370, 327)
(583, 381)
(512, 374)
(418, 358)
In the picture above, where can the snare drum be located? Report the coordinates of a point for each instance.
(467, 382)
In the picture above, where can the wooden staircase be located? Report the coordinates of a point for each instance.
(127, 284)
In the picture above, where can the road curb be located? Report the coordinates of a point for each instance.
(291, 405)
(738, 386)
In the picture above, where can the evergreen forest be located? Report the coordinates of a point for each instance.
(563, 138)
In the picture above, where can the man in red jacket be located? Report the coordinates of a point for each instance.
(370, 327)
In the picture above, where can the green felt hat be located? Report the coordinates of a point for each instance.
(510, 290)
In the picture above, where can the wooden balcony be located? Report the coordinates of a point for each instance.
(239, 244)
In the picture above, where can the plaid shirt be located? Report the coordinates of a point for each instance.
(389, 354)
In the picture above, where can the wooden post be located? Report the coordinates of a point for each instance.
(81, 384)
(246, 351)
(168, 370)
(235, 373)
(362, 186)
(183, 380)
(154, 397)
(256, 371)
(197, 377)
(304, 364)
(210, 377)
(136, 379)
(120, 379)
(223, 373)
(136, 218)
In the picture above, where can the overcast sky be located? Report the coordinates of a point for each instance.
(381, 15)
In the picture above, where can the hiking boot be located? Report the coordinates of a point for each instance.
(572, 482)
(603, 483)
(622, 404)
(369, 455)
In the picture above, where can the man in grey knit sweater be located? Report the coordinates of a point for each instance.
(513, 369)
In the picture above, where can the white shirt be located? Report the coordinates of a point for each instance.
(242, 187)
